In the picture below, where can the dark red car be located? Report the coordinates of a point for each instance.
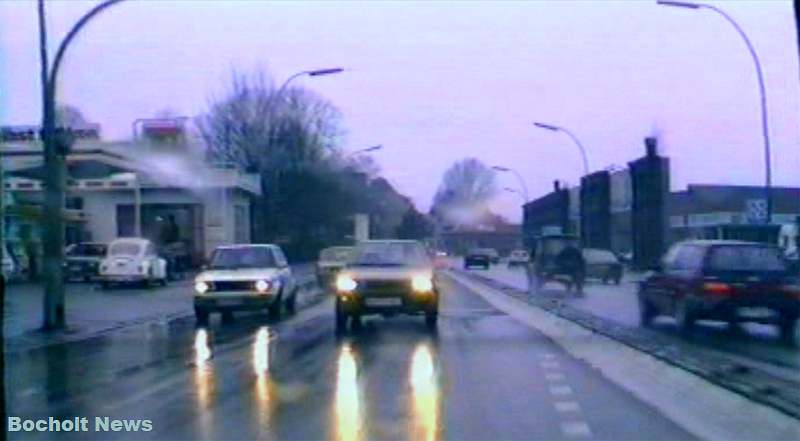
(723, 280)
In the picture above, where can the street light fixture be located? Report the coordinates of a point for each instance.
(310, 73)
(374, 148)
(761, 89)
(522, 184)
(516, 192)
(574, 138)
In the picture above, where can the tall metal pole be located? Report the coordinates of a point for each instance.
(55, 170)
(761, 90)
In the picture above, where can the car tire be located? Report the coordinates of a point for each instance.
(356, 322)
(275, 308)
(431, 320)
(201, 316)
(647, 312)
(684, 317)
(291, 303)
(790, 331)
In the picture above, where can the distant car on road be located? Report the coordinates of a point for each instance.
(245, 277)
(331, 261)
(481, 257)
(132, 260)
(82, 260)
(518, 258)
(387, 277)
(723, 280)
(602, 265)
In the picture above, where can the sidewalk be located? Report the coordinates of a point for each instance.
(91, 311)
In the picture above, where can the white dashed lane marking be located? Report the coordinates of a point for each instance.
(567, 406)
(554, 376)
(560, 390)
(576, 429)
(548, 364)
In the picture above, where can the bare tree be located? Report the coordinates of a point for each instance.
(464, 193)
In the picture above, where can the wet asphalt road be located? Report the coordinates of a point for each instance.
(481, 376)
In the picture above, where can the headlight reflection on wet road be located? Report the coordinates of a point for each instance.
(263, 384)
(204, 381)
(348, 407)
(425, 395)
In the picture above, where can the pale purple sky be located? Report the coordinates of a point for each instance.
(435, 82)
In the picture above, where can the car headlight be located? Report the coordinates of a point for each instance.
(262, 286)
(421, 284)
(201, 287)
(345, 283)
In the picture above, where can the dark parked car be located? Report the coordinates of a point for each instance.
(730, 281)
(602, 265)
(387, 277)
(481, 257)
(82, 260)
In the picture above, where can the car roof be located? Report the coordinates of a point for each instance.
(717, 242)
(246, 245)
(136, 240)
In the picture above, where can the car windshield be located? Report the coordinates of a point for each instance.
(244, 257)
(746, 258)
(389, 254)
(336, 254)
(125, 249)
(88, 250)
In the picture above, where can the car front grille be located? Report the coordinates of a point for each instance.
(385, 286)
(233, 286)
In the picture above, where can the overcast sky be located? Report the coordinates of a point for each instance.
(435, 82)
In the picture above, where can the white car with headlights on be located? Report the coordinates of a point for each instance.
(387, 277)
(245, 278)
(132, 260)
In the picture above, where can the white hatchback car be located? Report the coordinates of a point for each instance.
(245, 277)
(132, 260)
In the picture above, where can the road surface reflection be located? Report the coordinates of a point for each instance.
(263, 384)
(425, 395)
(349, 423)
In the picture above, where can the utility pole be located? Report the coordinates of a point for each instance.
(56, 143)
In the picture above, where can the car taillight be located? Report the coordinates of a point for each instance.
(717, 288)
(792, 290)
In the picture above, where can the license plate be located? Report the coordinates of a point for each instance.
(755, 312)
(384, 302)
(227, 302)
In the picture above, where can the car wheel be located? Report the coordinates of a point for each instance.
(647, 312)
(274, 310)
(356, 323)
(790, 331)
(431, 320)
(201, 316)
(291, 303)
(684, 317)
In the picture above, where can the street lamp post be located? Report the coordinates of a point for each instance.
(574, 138)
(55, 149)
(761, 90)
(522, 184)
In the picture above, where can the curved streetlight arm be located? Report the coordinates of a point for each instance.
(520, 179)
(761, 89)
(574, 138)
(517, 192)
(584, 157)
(62, 48)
